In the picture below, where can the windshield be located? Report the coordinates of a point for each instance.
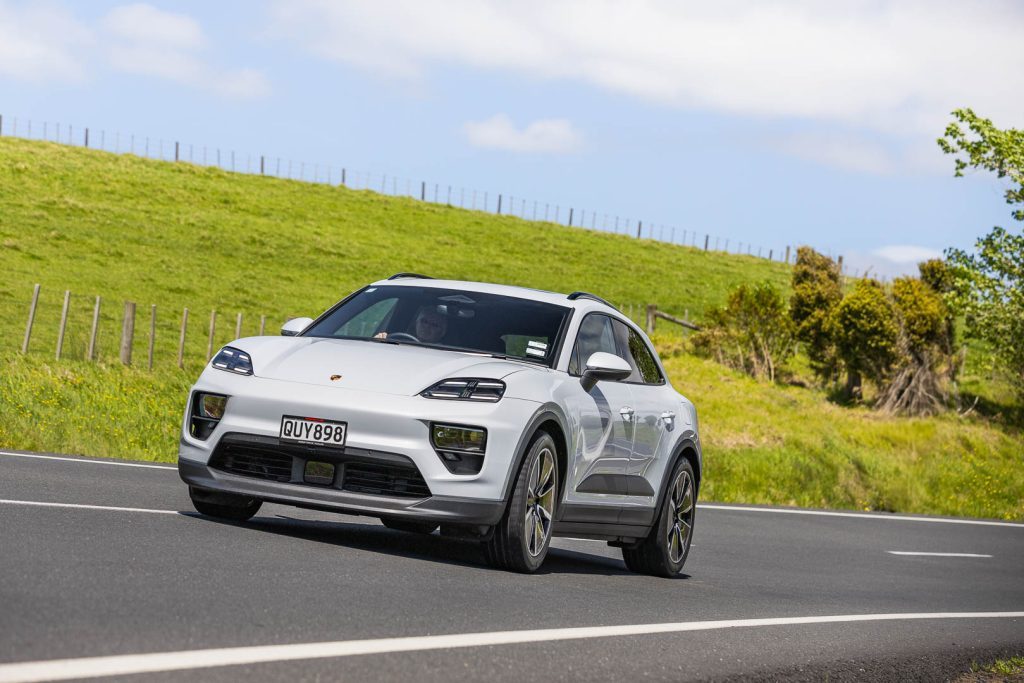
(448, 319)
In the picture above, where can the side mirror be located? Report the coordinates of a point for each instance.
(294, 326)
(604, 366)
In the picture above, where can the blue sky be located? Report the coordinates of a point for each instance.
(764, 123)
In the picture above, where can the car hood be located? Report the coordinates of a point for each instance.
(366, 366)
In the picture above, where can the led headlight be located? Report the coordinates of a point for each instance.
(233, 360)
(461, 448)
(467, 389)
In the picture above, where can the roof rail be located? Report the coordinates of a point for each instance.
(592, 297)
(415, 276)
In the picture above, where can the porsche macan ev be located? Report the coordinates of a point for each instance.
(500, 414)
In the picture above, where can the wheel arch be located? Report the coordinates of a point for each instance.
(552, 420)
(689, 449)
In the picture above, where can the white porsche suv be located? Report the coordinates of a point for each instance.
(500, 414)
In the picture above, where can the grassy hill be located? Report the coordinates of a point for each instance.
(176, 235)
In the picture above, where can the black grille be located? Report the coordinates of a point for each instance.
(384, 480)
(264, 457)
(253, 461)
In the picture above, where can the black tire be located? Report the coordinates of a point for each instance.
(663, 552)
(410, 525)
(227, 506)
(512, 546)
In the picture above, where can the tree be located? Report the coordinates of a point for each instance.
(989, 284)
(816, 292)
(863, 327)
(752, 332)
(916, 385)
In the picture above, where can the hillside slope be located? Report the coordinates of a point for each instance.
(179, 235)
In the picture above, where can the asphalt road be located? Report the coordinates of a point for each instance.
(80, 582)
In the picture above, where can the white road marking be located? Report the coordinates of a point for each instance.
(87, 461)
(85, 507)
(857, 515)
(911, 552)
(702, 506)
(125, 665)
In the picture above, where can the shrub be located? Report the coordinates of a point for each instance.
(816, 292)
(863, 326)
(752, 332)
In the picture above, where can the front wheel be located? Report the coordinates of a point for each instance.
(224, 505)
(664, 551)
(522, 537)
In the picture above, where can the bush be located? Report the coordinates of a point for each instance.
(865, 332)
(916, 385)
(816, 292)
(752, 332)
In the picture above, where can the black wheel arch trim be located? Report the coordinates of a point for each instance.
(687, 442)
(547, 413)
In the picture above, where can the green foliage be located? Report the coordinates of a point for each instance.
(752, 332)
(864, 329)
(937, 274)
(989, 148)
(989, 284)
(816, 292)
(922, 314)
(989, 289)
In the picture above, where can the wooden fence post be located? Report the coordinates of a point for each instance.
(639, 227)
(238, 326)
(127, 332)
(213, 326)
(787, 253)
(31, 319)
(263, 324)
(95, 328)
(152, 332)
(63, 322)
(651, 308)
(181, 339)
(706, 238)
(770, 253)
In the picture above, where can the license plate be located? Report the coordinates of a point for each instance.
(313, 430)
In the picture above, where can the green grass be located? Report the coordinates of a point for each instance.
(1014, 666)
(179, 235)
(176, 235)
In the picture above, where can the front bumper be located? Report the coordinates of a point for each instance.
(440, 509)
(379, 425)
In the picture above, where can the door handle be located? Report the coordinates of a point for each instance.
(668, 416)
(626, 413)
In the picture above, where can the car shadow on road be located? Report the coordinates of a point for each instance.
(432, 548)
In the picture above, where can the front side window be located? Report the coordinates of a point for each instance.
(596, 334)
(449, 319)
(602, 333)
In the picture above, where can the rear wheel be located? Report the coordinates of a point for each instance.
(224, 505)
(409, 525)
(522, 537)
(664, 551)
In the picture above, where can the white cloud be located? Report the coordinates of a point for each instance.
(898, 66)
(145, 23)
(46, 42)
(889, 261)
(881, 155)
(144, 40)
(546, 135)
(41, 43)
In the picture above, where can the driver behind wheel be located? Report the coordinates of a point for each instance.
(429, 326)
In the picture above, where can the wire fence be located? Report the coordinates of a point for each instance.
(500, 203)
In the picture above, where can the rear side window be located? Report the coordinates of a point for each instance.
(645, 368)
